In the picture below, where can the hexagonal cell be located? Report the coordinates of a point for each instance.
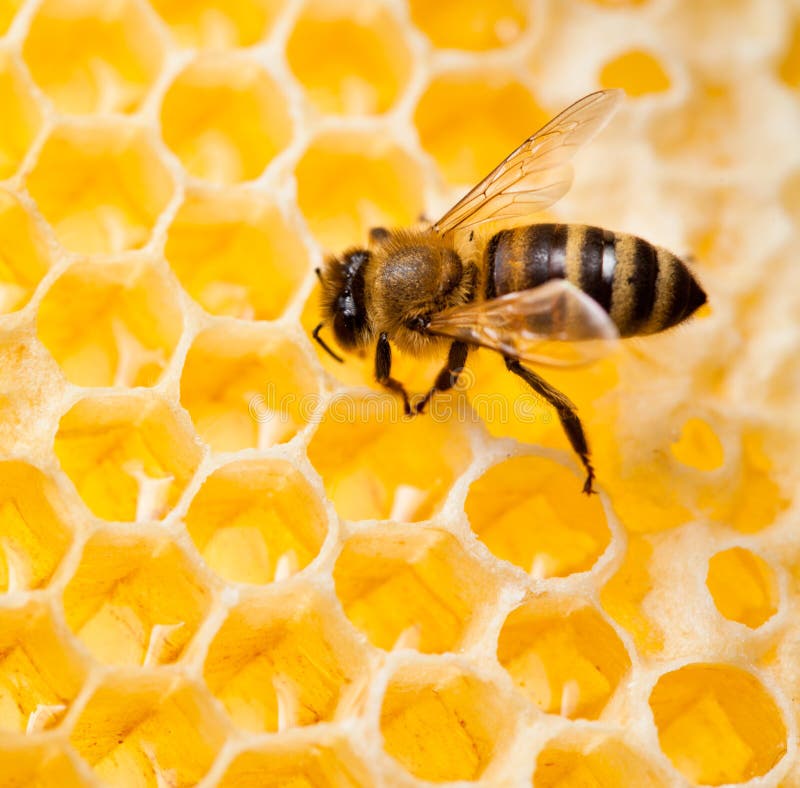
(149, 729)
(111, 606)
(464, 121)
(367, 61)
(717, 723)
(235, 254)
(475, 25)
(8, 10)
(111, 325)
(127, 455)
(349, 182)
(376, 463)
(527, 511)
(442, 723)
(34, 534)
(563, 656)
(594, 758)
(623, 596)
(743, 586)
(246, 386)
(638, 72)
(225, 119)
(40, 764)
(698, 446)
(789, 66)
(411, 588)
(257, 521)
(278, 662)
(325, 763)
(111, 186)
(111, 71)
(218, 24)
(40, 671)
(25, 257)
(23, 118)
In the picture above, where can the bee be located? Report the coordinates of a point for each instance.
(551, 294)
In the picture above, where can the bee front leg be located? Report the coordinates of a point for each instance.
(383, 369)
(448, 376)
(567, 414)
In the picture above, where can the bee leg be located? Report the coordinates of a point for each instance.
(383, 368)
(567, 414)
(448, 376)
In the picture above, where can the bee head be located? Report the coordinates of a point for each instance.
(343, 303)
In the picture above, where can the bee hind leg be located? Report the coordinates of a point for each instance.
(448, 376)
(383, 369)
(567, 414)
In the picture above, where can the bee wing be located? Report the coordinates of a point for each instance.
(554, 324)
(538, 172)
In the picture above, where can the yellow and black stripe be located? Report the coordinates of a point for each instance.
(644, 288)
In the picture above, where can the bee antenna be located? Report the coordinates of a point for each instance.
(321, 341)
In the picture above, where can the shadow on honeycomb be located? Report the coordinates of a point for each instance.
(227, 560)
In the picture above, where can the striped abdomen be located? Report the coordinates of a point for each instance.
(644, 288)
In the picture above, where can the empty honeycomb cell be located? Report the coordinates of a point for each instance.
(743, 586)
(218, 24)
(411, 588)
(472, 25)
(225, 120)
(307, 764)
(623, 596)
(527, 511)
(563, 656)
(367, 61)
(127, 455)
(789, 66)
(235, 254)
(637, 71)
(148, 729)
(23, 118)
(24, 256)
(279, 662)
(110, 605)
(39, 765)
(34, 532)
(717, 723)
(257, 521)
(111, 186)
(350, 182)
(110, 325)
(120, 56)
(40, 671)
(247, 386)
(584, 758)
(442, 723)
(369, 457)
(470, 121)
(698, 446)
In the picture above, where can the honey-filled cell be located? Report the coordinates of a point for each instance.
(367, 61)
(408, 588)
(717, 723)
(529, 511)
(638, 72)
(225, 120)
(236, 254)
(134, 327)
(247, 386)
(257, 521)
(120, 56)
(115, 210)
(23, 116)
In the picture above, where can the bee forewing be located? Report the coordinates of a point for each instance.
(554, 324)
(538, 172)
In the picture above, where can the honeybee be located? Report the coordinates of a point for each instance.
(540, 293)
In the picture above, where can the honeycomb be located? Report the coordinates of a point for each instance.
(226, 560)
